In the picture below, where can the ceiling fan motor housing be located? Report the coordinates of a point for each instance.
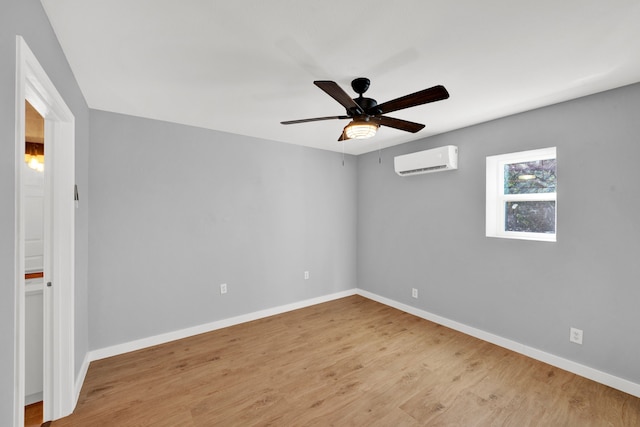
(368, 105)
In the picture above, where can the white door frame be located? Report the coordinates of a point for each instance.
(33, 85)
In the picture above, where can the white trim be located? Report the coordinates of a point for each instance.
(81, 376)
(208, 327)
(33, 398)
(19, 265)
(33, 85)
(557, 361)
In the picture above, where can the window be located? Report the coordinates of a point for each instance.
(521, 195)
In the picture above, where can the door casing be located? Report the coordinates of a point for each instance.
(33, 85)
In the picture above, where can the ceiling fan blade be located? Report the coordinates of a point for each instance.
(315, 119)
(336, 92)
(404, 125)
(436, 93)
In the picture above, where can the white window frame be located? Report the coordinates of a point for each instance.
(496, 199)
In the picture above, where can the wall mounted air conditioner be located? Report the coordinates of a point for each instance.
(434, 160)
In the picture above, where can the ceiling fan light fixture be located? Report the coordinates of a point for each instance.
(360, 129)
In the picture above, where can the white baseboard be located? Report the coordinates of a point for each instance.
(80, 379)
(33, 398)
(553, 360)
(208, 327)
(557, 361)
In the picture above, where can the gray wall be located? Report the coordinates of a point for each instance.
(178, 210)
(26, 18)
(427, 232)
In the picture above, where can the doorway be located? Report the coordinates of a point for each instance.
(33, 193)
(34, 86)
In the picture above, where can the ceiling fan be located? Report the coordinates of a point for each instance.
(366, 114)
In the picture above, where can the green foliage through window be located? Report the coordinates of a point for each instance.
(532, 217)
(530, 177)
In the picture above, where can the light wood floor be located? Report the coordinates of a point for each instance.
(349, 362)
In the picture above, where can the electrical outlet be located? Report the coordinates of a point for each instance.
(414, 292)
(306, 275)
(575, 335)
(223, 288)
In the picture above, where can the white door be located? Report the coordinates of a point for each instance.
(33, 188)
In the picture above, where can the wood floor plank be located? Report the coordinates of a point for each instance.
(33, 415)
(347, 362)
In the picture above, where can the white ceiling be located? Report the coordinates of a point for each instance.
(243, 66)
